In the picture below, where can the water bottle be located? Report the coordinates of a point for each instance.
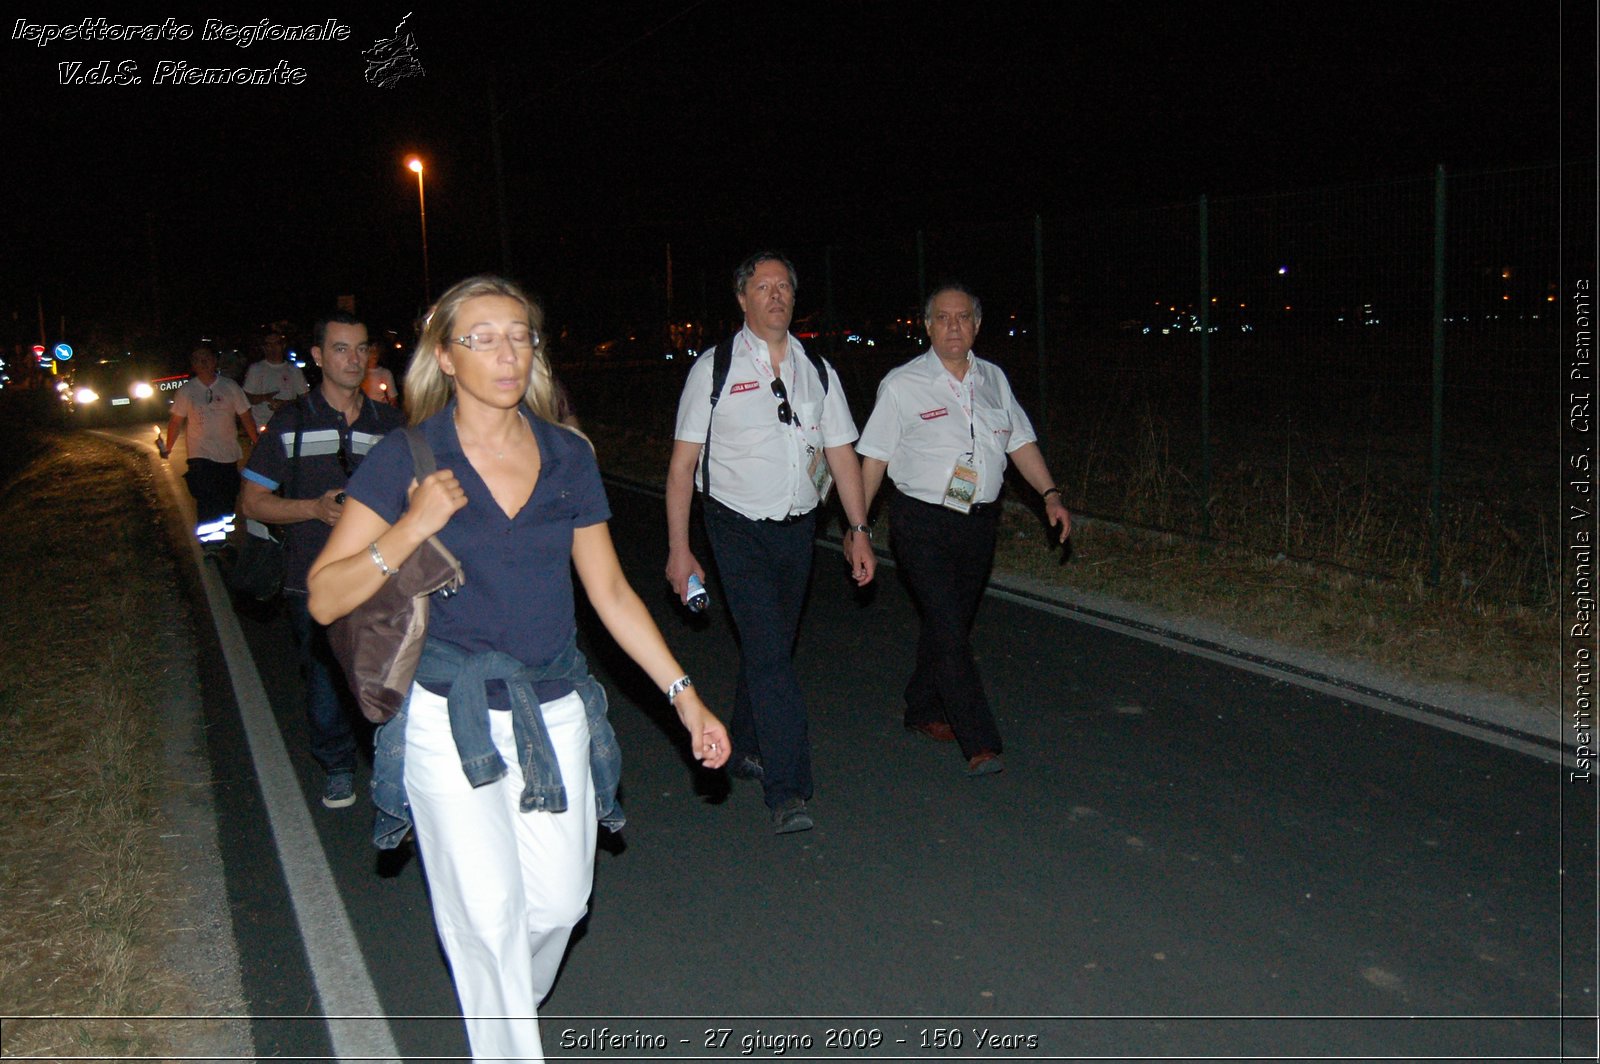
(697, 599)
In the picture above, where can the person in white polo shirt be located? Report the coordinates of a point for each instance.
(943, 428)
(274, 380)
(209, 410)
(764, 451)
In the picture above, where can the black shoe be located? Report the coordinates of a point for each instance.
(746, 767)
(790, 817)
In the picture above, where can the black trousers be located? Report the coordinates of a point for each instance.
(765, 569)
(215, 487)
(945, 557)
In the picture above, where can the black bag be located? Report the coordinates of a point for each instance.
(379, 643)
(258, 572)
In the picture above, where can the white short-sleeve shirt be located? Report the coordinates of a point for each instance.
(211, 411)
(759, 466)
(925, 420)
(282, 380)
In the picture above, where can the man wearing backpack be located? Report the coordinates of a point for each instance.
(763, 431)
(295, 479)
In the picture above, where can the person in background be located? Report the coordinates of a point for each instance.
(336, 426)
(503, 765)
(378, 383)
(776, 435)
(943, 428)
(273, 380)
(209, 410)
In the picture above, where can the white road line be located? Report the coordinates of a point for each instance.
(357, 1026)
(1508, 738)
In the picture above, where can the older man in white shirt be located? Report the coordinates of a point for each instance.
(944, 426)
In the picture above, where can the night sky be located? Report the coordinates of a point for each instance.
(716, 126)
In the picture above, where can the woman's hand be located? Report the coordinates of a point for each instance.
(708, 739)
(431, 503)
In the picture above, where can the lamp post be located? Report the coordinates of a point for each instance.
(414, 164)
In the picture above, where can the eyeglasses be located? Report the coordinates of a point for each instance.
(521, 340)
(785, 413)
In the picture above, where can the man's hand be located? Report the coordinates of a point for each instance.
(329, 506)
(1056, 513)
(680, 564)
(858, 554)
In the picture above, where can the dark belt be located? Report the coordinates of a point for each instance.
(978, 509)
(791, 519)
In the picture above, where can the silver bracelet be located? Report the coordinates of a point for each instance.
(377, 559)
(680, 685)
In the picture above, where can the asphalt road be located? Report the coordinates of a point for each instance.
(1183, 859)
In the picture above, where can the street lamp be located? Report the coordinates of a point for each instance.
(414, 164)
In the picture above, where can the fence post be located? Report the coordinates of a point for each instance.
(829, 319)
(1205, 368)
(1038, 322)
(1436, 473)
(922, 274)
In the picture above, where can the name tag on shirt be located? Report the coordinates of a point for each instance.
(744, 386)
(821, 476)
(962, 489)
(929, 415)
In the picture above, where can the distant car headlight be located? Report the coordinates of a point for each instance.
(141, 390)
(62, 386)
(85, 396)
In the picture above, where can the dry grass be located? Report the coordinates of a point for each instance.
(1462, 632)
(89, 896)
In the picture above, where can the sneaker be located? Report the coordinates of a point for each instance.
(339, 790)
(790, 817)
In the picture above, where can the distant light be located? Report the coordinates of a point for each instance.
(141, 390)
(1287, 307)
(1282, 270)
(414, 164)
(85, 395)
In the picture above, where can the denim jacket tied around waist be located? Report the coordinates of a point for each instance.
(466, 675)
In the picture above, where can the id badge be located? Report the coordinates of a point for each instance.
(962, 489)
(821, 476)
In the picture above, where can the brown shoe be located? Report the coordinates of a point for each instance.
(985, 763)
(937, 730)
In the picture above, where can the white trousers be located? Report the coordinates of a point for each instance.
(507, 886)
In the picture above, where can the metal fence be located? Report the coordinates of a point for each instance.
(1361, 375)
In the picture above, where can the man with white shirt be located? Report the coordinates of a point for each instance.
(274, 380)
(943, 428)
(764, 450)
(208, 411)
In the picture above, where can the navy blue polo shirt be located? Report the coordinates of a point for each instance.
(517, 596)
(325, 436)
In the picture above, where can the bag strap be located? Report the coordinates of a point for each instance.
(294, 456)
(422, 463)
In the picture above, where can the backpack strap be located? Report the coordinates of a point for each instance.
(821, 366)
(721, 359)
